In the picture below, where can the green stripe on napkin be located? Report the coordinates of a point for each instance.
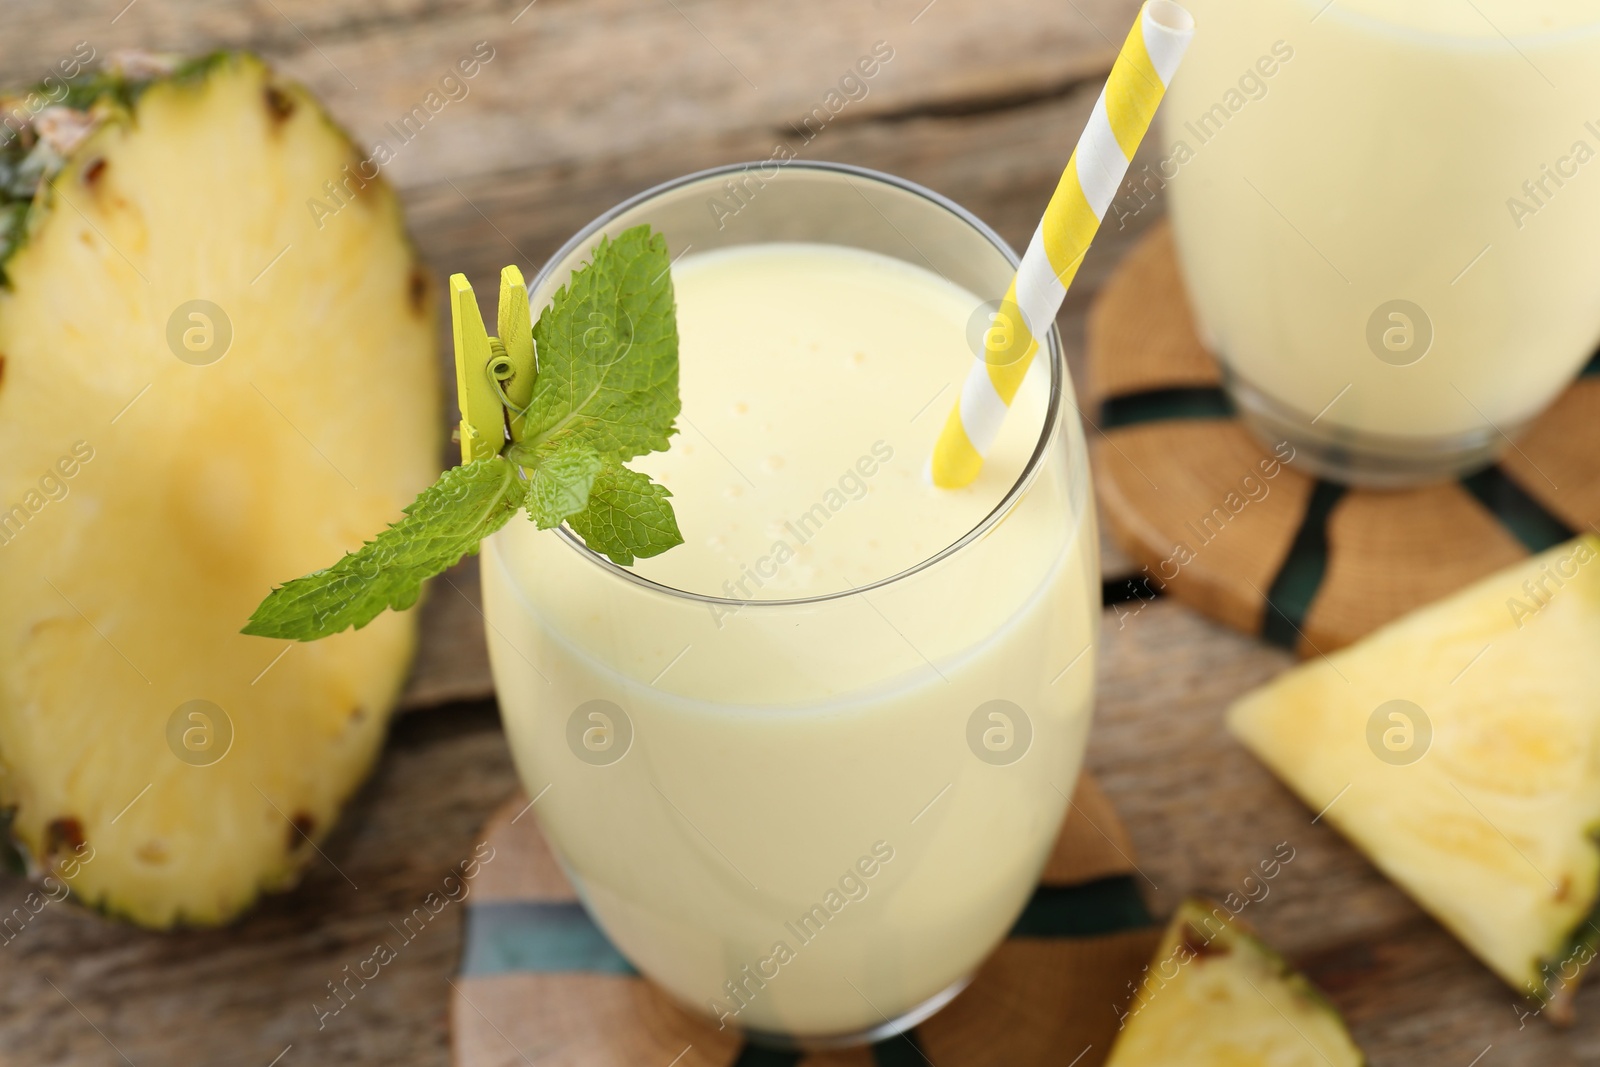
(510, 936)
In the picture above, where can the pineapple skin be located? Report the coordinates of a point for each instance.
(1215, 995)
(1492, 830)
(197, 488)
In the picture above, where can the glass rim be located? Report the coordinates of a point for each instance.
(1053, 417)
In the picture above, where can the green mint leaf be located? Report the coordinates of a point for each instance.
(607, 349)
(559, 484)
(445, 523)
(604, 390)
(628, 515)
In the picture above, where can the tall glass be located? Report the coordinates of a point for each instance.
(1389, 221)
(810, 819)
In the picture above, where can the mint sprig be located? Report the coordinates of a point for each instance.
(560, 484)
(628, 515)
(608, 355)
(605, 391)
(466, 504)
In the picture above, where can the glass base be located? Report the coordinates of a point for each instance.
(1358, 457)
(898, 1025)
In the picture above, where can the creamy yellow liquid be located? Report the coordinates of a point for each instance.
(813, 438)
(1378, 152)
(781, 751)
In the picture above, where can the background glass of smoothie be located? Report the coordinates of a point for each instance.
(1388, 218)
(805, 768)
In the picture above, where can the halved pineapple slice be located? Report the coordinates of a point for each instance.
(1459, 748)
(208, 386)
(1216, 996)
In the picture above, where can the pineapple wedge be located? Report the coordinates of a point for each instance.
(1216, 996)
(1459, 748)
(163, 463)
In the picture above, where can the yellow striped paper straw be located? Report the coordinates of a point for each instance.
(1138, 80)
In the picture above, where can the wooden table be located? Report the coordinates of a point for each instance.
(585, 102)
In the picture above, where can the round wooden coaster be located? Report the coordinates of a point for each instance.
(1308, 564)
(540, 983)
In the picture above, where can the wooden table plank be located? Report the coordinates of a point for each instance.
(452, 663)
(582, 80)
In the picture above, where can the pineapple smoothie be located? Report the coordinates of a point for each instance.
(1388, 217)
(803, 777)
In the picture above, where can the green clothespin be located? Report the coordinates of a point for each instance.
(483, 417)
(516, 336)
(493, 374)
